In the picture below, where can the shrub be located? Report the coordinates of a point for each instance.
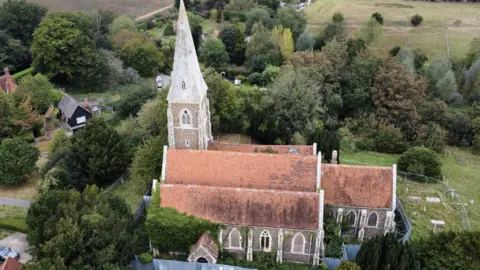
(348, 265)
(420, 160)
(337, 17)
(378, 17)
(146, 258)
(269, 150)
(394, 51)
(389, 140)
(416, 20)
(169, 31)
(150, 25)
(365, 144)
(17, 76)
(256, 78)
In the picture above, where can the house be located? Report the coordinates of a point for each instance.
(73, 115)
(7, 83)
(11, 264)
(271, 202)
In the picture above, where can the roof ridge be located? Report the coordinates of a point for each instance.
(241, 189)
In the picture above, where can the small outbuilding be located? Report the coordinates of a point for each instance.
(204, 251)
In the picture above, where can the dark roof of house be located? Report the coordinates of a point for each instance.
(306, 150)
(68, 105)
(362, 186)
(11, 264)
(246, 207)
(158, 264)
(241, 170)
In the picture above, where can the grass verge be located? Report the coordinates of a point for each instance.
(12, 218)
(130, 192)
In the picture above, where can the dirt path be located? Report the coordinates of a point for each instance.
(14, 202)
(151, 14)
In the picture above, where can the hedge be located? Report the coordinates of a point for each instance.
(17, 76)
(14, 224)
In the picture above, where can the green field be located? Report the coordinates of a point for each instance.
(430, 36)
(461, 170)
(12, 219)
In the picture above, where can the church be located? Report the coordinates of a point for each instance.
(267, 202)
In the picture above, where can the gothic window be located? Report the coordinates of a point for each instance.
(235, 239)
(265, 241)
(183, 85)
(298, 243)
(351, 218)
(372, 220)
(186, 118)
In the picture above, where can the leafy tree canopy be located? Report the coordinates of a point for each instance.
(41, 92)
(18, 159)
(290, 18)
(213, 53)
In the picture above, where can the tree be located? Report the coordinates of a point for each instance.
(142, 55)
(101, 151)
(12, 53)
(122, 23)
(255, 16)
(18, 159)
(422, 161)
(442, 82)
(196, 29)
(271, 4)
(474, 51)
(213, 53)
(334, 30)
(378, 17)
(416, 20)
(168, 30)
(261, 50)
(131, 104)
(19, 19)
(406, 57)
(290, 18)
(41, 92)
(397, 97)
(371, 31)
(305, 42)
(152, 118)
(147, 163)
(234, 40)
(225, 104)
(89, 230)
(63, 52)
(348, 265)
(472, 82)
(419, 59)
(286, 45)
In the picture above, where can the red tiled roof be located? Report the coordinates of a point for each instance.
(245, 207)
(362, 186)
(241, 170)
(306, 150)
(7, 82)
(208, 243)
(11, 264)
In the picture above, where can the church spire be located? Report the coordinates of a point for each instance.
(187, 84)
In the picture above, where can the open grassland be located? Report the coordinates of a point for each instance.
(121, 7)
(430, 36)
(461, 170)
(12, 219)
(22, 191)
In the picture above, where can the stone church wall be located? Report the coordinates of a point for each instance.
(181, 134)
(288, 255)
(369, 232)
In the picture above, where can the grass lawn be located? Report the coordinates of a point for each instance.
(430, 36)
(131, 193)
(461, 170)
(23, 191)
(118, 92)
(12, 219)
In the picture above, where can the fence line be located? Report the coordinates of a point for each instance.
(117, 182)
(142, 205)
(457, 202)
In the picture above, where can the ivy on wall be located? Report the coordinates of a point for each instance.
(170, 230)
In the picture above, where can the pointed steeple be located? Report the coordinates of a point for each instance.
(187, 84)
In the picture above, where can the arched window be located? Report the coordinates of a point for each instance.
(183, 85)
(235, 239)
(372, 220)
(265, 241)
(186, 118)
(298, 243)
(351, 218)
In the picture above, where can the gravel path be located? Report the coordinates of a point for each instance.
(14, 202)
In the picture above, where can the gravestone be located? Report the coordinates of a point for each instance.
(433, 199)
(414, 198)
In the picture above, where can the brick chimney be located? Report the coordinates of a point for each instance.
(85, 105)
(5, 69)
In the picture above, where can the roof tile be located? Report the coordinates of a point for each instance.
(305, 150)
(245, 207)
(242, 170)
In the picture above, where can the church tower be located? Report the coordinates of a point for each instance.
(189, 125)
